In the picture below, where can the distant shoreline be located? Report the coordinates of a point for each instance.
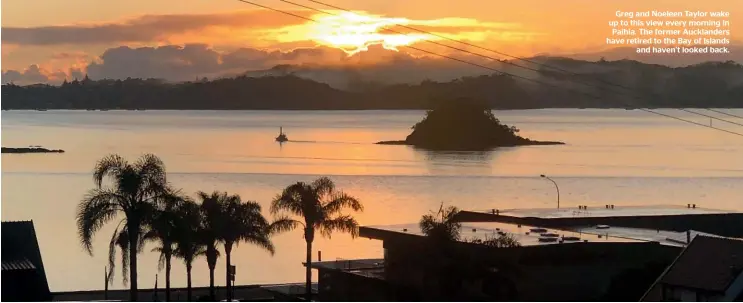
(30, 150)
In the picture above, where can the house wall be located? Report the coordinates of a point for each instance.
(335, 285)
(564, 272)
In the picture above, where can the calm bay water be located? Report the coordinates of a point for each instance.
(612, 157)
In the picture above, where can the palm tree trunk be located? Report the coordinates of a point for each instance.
(227, 253)
(133, 234)
(167, 277)
(188, 283)
(309, 236)
(308, 268)
(211, 284)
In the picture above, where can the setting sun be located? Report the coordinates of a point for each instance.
(354, 33)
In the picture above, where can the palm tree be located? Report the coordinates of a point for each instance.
(211, 224)
(134, 188)
(320, 206)
(120, 240)
(162, 230)
(236, 221)
(188, 245)
(441, 225)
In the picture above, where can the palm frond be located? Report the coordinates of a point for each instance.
(323, 186)
(151, 169)
(112, 253)
(251, 207)
(441, 225)
(343, 224)
(283, 224)
(290, 199)
(427, 224)
(97, 208)
(262, 241)
(111, 165)
(340, 200)
(122, 242)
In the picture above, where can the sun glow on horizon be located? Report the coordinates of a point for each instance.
(354, 33)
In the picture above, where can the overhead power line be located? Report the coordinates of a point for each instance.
(580, 80)
(724, 113)
(483, 66)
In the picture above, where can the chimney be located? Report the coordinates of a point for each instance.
(693, 206)
(688, 205)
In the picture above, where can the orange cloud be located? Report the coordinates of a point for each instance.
(148, 28)
(355, 32)
(352, 32)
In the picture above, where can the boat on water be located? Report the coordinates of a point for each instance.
(282, 136)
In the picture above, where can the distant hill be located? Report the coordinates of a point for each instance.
(712, 84)
(675, 60)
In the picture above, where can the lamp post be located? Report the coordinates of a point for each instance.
(556, 187)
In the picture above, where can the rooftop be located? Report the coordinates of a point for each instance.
(603, 211)
(342, 264)
(526, 235)
(20, 255)
(371, 268)
(535, 235)
(711, 264)
(670, 238)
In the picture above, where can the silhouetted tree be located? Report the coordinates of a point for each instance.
(211, 210)
(236, 221)
(162, 230)
(188, 244)
(135, 188)
(442, 225)
(503, 240)
(319, 205)
(712, 84)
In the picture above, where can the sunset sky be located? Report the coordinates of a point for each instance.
(54, 39)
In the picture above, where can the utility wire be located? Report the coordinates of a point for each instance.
(489, 68)
(507, 55)
(724, 113)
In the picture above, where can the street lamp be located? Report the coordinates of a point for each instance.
(557, 187)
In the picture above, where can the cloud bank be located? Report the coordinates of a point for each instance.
(194, 61)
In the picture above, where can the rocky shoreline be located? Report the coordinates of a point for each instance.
(464, 125)
(524, 143)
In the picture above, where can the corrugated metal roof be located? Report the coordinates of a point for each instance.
(21, 264)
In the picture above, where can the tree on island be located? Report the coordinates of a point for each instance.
(464, 124)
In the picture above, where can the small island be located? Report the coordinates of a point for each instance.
(29, 150)
(464, 125)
